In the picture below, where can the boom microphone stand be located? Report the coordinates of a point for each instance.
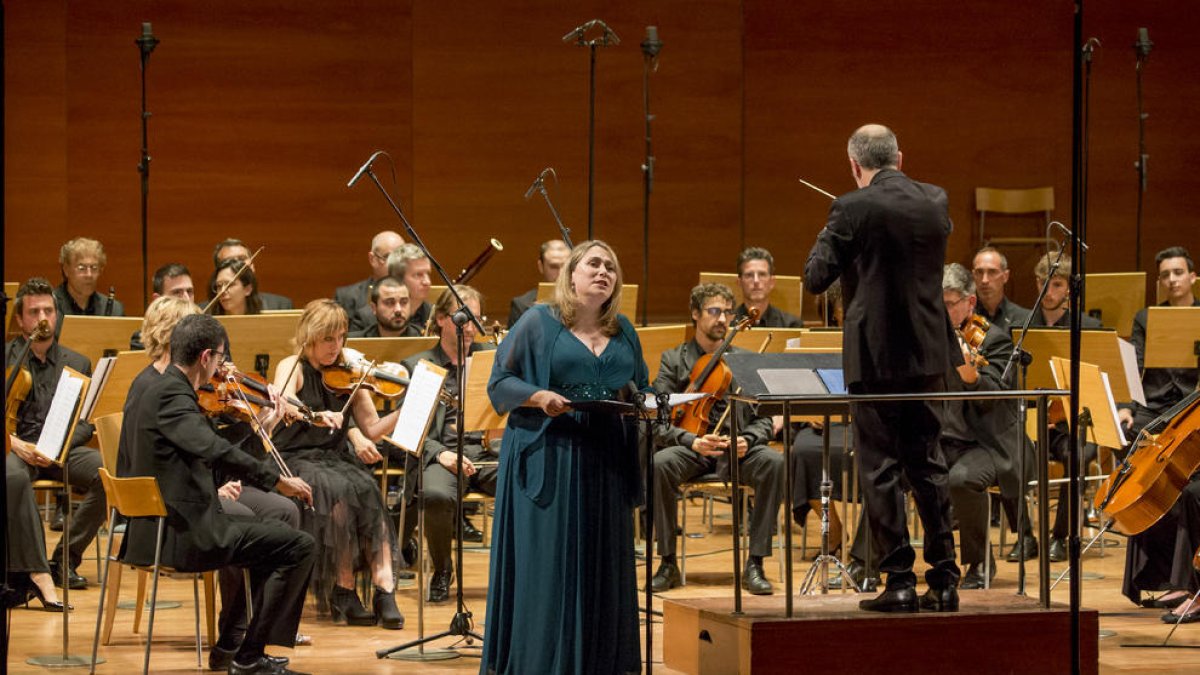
(146, 43)
(461, 624)
(607, 37)
(539, 185)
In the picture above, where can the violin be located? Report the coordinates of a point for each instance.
(353, 371)
(1146, 485)
(710, 376)
(972, 333)
(18, 381)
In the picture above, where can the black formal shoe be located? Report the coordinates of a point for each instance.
(1031, 549)
(47, 605)
(439, 586)
(267, 665)
(903, 599)
(470, 533)
(973, 579)
(344, 605)
(74, 581)
(409, 551)
(754, 581)
(56, 523)
(1159, 603)
(1058, 550)
(386, 609)
(221, 659)
(940, 600)
(1192, 616)
(858, 572)
(666, 578)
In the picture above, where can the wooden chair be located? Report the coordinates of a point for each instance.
(140, 497)
(787, 295)
(1013, 203)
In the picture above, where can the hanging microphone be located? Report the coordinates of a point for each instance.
(1143, 44)
(363, 169)
(146, 41)
(651, 45)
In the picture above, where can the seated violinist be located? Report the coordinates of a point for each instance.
(235, 249)
(681, 455)
(389, 308)
(235, 288)
(439, 460)
(756, 276)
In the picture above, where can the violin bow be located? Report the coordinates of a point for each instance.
(357, 385)
(273, 451)
(217, 296)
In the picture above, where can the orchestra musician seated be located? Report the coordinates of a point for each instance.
(389, 308)
(990, 270)
(235, 249)
(173, 280)
(681, 455)
(553, 256)
(756, 277)
(235, 287)
(354, 298)
(409, 264)
(439, 459)
(82, 261)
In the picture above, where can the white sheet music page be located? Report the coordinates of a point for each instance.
(99, 379)
(1132, 376)
(1112, 410)
(420, 399)
(60, 419)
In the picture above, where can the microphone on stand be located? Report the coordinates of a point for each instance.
(540, 181)
(147, 42)
(1143, 44)
(363, 169)
(112, 300)
(1064, 230)
(651, 45)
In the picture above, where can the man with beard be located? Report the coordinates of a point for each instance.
(389, 305)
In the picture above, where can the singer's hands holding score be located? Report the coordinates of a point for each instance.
(551, 403)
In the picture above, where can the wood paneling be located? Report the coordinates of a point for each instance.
(262, 111)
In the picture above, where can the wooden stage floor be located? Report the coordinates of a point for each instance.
(343, 649)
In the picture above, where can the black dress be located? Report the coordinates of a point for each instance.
(348, 516)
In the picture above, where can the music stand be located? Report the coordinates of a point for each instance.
(752, 339)
(479, 414)
(1171, 337)
(262, 340)
(394, 349)
(115, 388)
(98, 336)
(789, 375)
(1115, 297)
(1097, 346)
(629, 296)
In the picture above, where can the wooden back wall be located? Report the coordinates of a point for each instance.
(263, 110)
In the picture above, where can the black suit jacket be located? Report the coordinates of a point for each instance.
(772, 318)
(356, 300)
(1009, 315)
(520, 305)
(172, 441)
(887, 242)
(272, 301)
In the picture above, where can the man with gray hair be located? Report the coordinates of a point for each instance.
(990, 271)
(353, 297)
(409, 264)
(887, 241)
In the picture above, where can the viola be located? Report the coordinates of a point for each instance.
(972, 334)
(18, 381)
(710, 376)
(353, 371)
(1146, 485)
(226, 395)
(255, 383)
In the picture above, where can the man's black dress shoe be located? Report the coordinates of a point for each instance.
(940, 600)
(471, 533)
(973, 579)
(1031, 549)
(221, 659)
(666, 578)
(754, 581)
(267, 665)
(56, 523)
(74, 581)
(903, 599)
(858, 572)
(439, 586)
(1058, 550)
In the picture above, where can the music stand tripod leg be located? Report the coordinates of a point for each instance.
(824, 560)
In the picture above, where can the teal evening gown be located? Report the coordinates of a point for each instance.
(562, 596)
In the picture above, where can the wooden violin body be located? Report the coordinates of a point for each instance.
(22, 382)
(1147, 484)
(387, 379)
(709, 376)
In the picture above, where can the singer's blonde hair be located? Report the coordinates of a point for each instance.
(567, 301)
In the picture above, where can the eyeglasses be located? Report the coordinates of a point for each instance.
(219, 355)
(955, 303)
(716, 312)
(380, 258)
(83, 269)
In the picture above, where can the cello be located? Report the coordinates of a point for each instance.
(1146, 485)
(709, 376)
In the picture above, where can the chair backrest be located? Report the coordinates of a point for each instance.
(1030, 200)
(787, 295)
(136, 497)
(108, 433)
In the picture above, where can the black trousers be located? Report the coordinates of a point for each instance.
(761, 468)
(1160, 558)
(441, 504)
(901, 439)
(252, 503)
(83, 465)
(280, 561)
(1060, 441)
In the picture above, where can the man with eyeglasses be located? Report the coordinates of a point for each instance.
(681, 456)
(990, 271)
(235, 249)
(354, 297)
(756, 277)
(82, 262)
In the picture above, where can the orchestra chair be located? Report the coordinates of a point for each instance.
(787, 295)
(711, 487)
(139, 497)
(1013, 203)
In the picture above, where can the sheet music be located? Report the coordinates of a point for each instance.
(99, 379)
(673, 400)
(792, 381)
(420, 399)
(60, 419)
(1132, 377)
(1112, 408)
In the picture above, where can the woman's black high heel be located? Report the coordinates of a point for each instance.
(47, 606)
(387, 611)
(344, 605)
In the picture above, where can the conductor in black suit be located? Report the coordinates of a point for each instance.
(174, 443)
(886, 241)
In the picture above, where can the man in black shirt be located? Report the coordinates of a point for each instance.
(990, 270)
(83, 262)
(353, 297)
(756, 276)
(553, 256)
(389, 309)
(34, 304)
(681, 455)
(409, 264)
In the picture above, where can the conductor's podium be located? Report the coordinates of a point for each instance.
(994, 631)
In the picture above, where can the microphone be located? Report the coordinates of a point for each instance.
(1143, 44)
(146, 41)
(1064, 230)
(112, 299)
(540, 181)
(607, 37)
(651, 45)
(363, 169)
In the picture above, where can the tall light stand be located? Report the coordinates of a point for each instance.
(650, 48)
(607, 37)
(146, 43)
